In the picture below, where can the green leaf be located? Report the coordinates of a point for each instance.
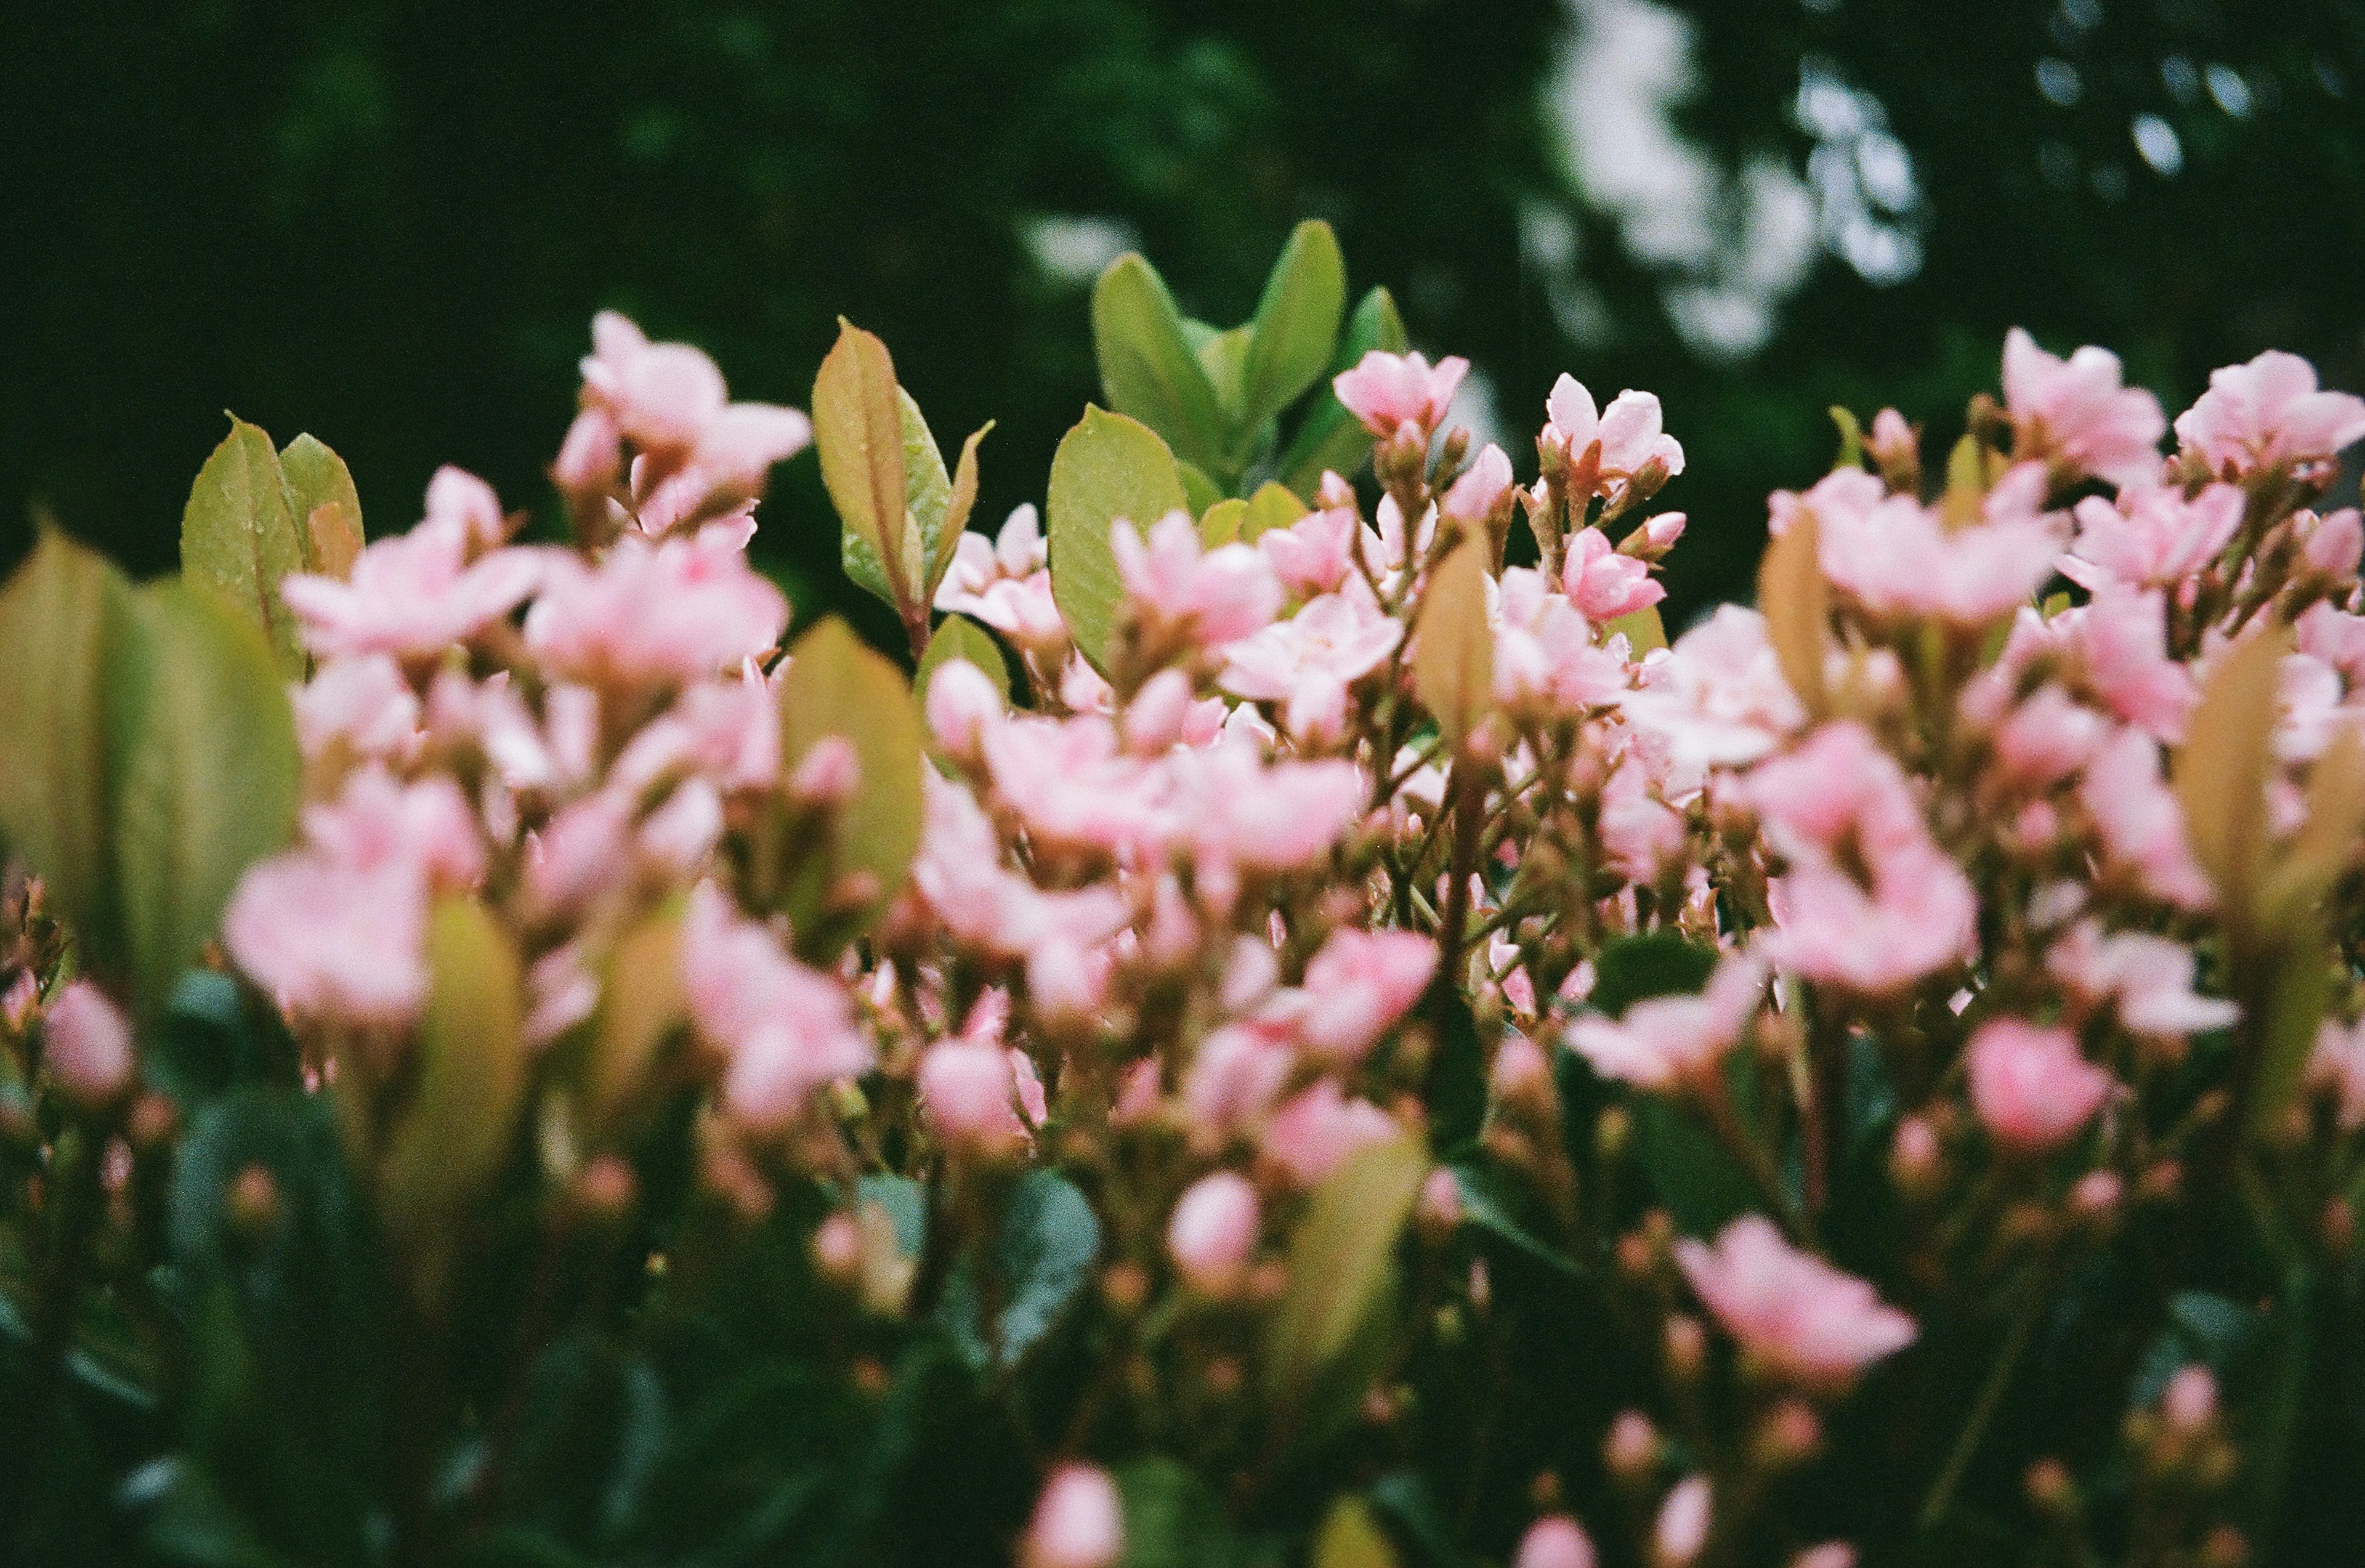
(859, 431)
(1332, 438)
(838, 686)
(1851, 453)
(957, 505)
(1296, 324)
(643, 1000)
(1199, 491)
(1273, 506)
(927, 489)
(240, 535)
(1456, 1091)
(1225, 357)
(1045, 1245)
(1349, 1539)
(462, 1119)
(316, 477)
(202, 755)
(1657, 963)
(59, 616)
(958, 637)
(1172, 1519)
(1147, 367)
(1341, 1262)
(1107, 467)
(1496, 1205)
(1642, 629)
(1454, 654)
(1704, 1188)
(2296, 999)
(1222, 523)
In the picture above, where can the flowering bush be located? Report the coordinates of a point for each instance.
(1306, 1032)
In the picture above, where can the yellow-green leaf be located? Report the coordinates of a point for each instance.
(2221, 774)
(452, 1138)
(2327, 842)
(1453, 653)
(858, 429)
(1199, 491)
(1225, 357)
(240, 537)
(961, 638)
(1350, 1538)
(205, 773)
(642, 1003)
(1642, 629)
(59, 615)
(962, 502)
(1796, 603)
(1223, 522)
(2297, 993)
(1341, 1258)
(316, 477)
(336, 540)
(1851, 438)
(835, 685)
(1107, 467)
(1296, 324)
(1147, 367)
(1273, 506)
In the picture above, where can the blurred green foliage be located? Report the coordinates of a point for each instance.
(388, 222)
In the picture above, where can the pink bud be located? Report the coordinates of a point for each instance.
(1214, 1231)
(829, 773)
(1068, 985)
(1830, 1554)
(591, 459)
(2190, 1401)
(87, 1044)
(1683, 1524)
(970, 1096)
(1079, 1521)
(1482, 488)
(1440, 1210)
(2032, 1089)
(1632, 1448)
(2336, 544)
(963, 702)
(1554, 1541)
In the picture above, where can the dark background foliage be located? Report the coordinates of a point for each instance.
(388, 221)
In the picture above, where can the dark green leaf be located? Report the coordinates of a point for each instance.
(1332, 438)
(1044, 1246)
(1657, 963)
(1172, 1519)
(1147, 368)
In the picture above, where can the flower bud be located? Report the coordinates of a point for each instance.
(1683, 1524)
(838, 1250)
(1788, 1436)
(1914, 1159)
(1830, 1554)
(1554, 1541)
(1631, 1449)
(962, 703)
(969, 1097)
(1439, 1212)
(87, 1046)
(828, 775)
(1685, 1346)
(1214, 1232)
(250, 1203)
(1079, 1521)
(2189, 1402)
(604, 1189)
(2050, 1490)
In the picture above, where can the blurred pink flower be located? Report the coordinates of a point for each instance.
(1213, 1232)
(2266, 413)
(2336, 1067)
(2140, 824)
(1681, 1530)
(1214, 597)
(970, 1095)
(1791, 1312)
(1356, 987)
(2074, 412)
(2030, 1085)
(1661, 1041)
(1897, 558)
(2149, 978)
(1307, 662)
(1314, 1132)
(1553, 1541)
(1717, 696)
(666, 613)
(86, 1045)
(1079, 1521)
(363, 703)
(412, 595)
(2153, 537)
(785, 1029)
(1315, 553)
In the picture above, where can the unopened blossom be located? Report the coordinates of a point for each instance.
(1214, 597)
(2152, 537)
(1213, 1232)
(1388, 391)
(970, 1096)
(1830, 1554)
(1604, 583)
(1307, 663)
(1791, 1312)
(1553, 1541)
(1681, 1530)
(411, 595)
(1316, 1133)
(1315, 555)
(2333, 546)
(2074, 412)
(2147, 979)
(1717, 696)
(664, 613)
(1482, 487)
(1631, 431)
(2336, 1069)
(2030, 1086)
(1235, 1075)
(1079, 1521)
(1661, 1041)
(2268, 413)
(86, 1045)
(1357, 986)
(785, 1030)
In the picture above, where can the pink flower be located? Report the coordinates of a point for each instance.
(963, 703)
(786, 1030)
(411, 595)
(1681, 1531)
(1604, 583)
(2336, 1067)
(1630, 431)
(2140, 824)
(1235, 1077)
(1317, 1132)
(2334, 545)
(458, 499)
(2149, 978)
(1792, 1311)
(1006, 584)
(1897, 558)
(1546, 662)
(1639, 834)
(2120, 641)
(1553, 1541)
(1275, 820)
(1079, 1521)
(86, 1046)
(1214, 596)
(660, 394)
(1358, 986)
(1661, 1041)
(983, 904)
(2047, 738)
(1717, 696)
(1918, 919)
(1387, 391)
(1841, 789)
(330, 941)
(970, 1095)
(424, 828)
(2074, 413)
(1307, 662)
(1214, 1232)
(1480, 487)
(1314, 554)
(2266, 414)
(363, 704)
(667, 614)
(2032, 1089)
(2153, 537)
(1073, 788)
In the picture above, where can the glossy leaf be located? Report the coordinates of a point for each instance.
(1332, 438)
(959, 504)
(1341, 1261)
(1107, 467)
(240, 535)
(1225, 357)
(59, 615)
(1296, 324)
(1642, 629)
(1148, 370)
(859, 433)
(205, 773)
(1453, 653)
(835, 685)
(316, 478)
(462, 1114)
(1796, 603)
